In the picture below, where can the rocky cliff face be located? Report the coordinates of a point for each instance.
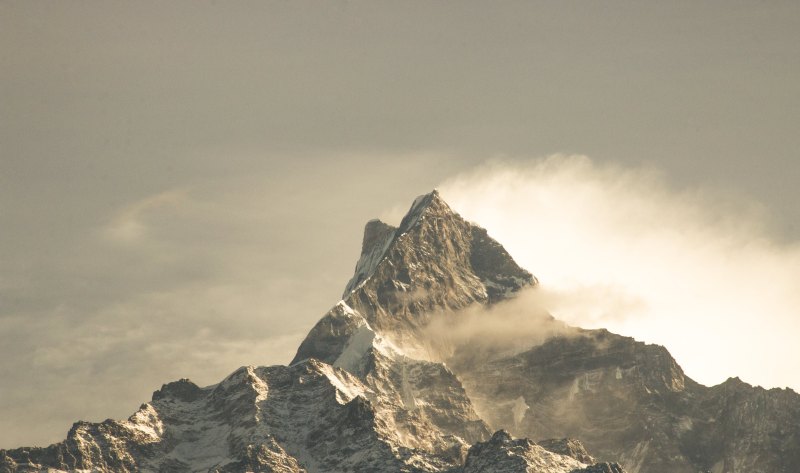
(434, 261)
(307, 417)
(630, 401)
(373, 388)
(504, 454)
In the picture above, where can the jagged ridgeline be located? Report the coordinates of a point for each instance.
(382, 384)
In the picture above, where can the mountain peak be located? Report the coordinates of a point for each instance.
(378, 236)
(426, 204)
(374, 231)
(434, 261)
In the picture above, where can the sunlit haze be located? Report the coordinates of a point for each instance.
(184, 184)
(695, 271)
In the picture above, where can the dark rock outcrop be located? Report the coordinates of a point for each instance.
(569, 447)
(504, 454)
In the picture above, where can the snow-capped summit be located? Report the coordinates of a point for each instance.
(435, 260)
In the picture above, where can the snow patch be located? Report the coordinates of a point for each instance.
(407, 394)
(346, 391)
(358, 345)
(417, 211)
(345, 309)
(260, 387)
(146, 421)
(518, 409)
(368, 263)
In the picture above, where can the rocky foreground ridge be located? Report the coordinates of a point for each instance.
(390, 379)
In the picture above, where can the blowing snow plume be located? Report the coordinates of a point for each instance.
(479, 333)
(692, 269)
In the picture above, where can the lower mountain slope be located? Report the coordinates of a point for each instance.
(631, 402)
(306, 417)
(371, 408)
(503, 454)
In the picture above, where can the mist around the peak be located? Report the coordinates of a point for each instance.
(698, 270)
(480, 333)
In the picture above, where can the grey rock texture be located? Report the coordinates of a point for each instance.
(503, 454)
(631, 402)
(434, 261)
(307, 417)
(602, 468)
(569, 447)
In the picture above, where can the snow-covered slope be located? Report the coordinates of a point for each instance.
(307, 417)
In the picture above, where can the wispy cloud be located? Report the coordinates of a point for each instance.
(694, 269)
(130, 223)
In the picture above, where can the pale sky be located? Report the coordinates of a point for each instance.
(183, 185)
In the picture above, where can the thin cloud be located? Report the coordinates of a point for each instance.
(696, 270)
(130, 223)
(477, 333)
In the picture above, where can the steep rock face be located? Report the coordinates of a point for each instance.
(569, 447)
(377, 237)
(434, 261)
(609, 391)
(631, 402)
(308, 417)
(424, 390)
(739, 427)
(504, 454)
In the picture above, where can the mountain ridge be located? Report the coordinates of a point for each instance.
(372, 388)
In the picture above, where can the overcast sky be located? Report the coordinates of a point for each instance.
(183, 185)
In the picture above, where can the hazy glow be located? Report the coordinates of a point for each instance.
(696, 272)
(183, 184)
